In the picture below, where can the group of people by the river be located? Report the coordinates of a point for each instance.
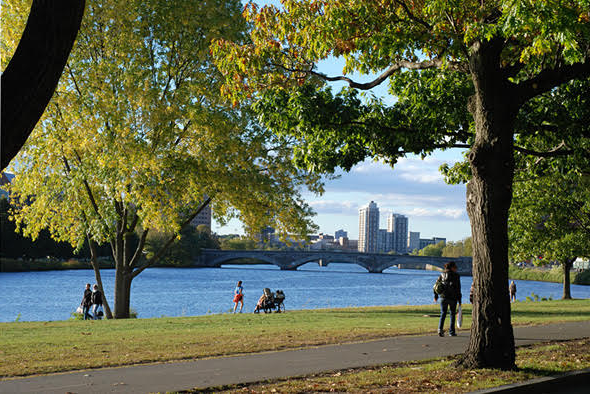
(92, 303)
(447, 288)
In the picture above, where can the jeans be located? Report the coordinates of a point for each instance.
(445, 304)
(95, 311)
(86, 312)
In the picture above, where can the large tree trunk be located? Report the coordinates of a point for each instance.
(122, 293)
(489, 195)
(29, 80)
(567, 266)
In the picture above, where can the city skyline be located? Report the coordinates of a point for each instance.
(415, 189)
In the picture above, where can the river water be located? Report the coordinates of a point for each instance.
(54, 295)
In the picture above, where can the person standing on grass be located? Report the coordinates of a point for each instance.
(512, 290)
(96, 301)
(86, 302)
(239, 296)
(450, 296)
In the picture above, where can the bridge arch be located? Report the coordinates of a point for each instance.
(219, 261)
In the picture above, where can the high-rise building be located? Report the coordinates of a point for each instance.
(382, 238)
(368, 228)
(398, 225)
(340, 234)
(204, 217)
(413, 241)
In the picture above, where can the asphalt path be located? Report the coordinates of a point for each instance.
(202, 373)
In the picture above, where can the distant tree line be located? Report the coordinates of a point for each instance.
(450, 249)
(15, 245)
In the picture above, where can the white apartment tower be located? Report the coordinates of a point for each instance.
(368, 228)
(398, 225)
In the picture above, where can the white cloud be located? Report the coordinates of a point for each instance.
(448, 213)
(333, 206)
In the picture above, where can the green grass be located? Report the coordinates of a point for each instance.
(431, 376)
(42, 347)
(554, 274)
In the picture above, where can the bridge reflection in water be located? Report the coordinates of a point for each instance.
(290, 260)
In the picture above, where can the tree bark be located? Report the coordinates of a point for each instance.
(489, 195)
(29, 80)
(567, 266)
(122, 293)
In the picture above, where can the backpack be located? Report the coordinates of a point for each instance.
(441, 285)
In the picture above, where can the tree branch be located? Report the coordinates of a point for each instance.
(550, 78)
(160, 252)
(424, 65)
(554, 152)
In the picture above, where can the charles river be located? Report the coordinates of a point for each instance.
(54, 295)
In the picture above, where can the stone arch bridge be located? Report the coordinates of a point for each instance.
(291, 260)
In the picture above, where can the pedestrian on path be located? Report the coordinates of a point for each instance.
(450, 296)
(86, 302)
(512, 290)
(239, 297)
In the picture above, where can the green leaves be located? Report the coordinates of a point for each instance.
(137, 130)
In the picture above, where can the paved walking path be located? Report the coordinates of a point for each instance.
(255, 367)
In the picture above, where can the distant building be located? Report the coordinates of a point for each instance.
(382, 238)
(340, 234)
(431, 241)
(398, 225)
(368, 228)
(204, 217)
(413, 241)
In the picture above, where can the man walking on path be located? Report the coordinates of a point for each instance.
(450, 294)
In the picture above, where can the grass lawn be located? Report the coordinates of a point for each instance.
(28, 348)
(431, 376)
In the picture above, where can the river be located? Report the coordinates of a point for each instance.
(54, 295)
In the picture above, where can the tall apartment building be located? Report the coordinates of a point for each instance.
(413, 241)
(368, 228)
(382, 241)
(398, 225)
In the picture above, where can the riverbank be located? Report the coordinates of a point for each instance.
(554, 274)
(44, 347)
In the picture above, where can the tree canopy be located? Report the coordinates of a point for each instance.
(461, 71)
(138, 139)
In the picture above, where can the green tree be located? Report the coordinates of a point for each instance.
(137, 134)
(550, 217)
(458, 249)
(238, 243)
(497, 55)
(185, 248)
(434, 250)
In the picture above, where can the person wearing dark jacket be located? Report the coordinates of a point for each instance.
(449, 298)
(96, 301)
(87, 302)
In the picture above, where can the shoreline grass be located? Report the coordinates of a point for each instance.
(554, 275)
(439, 375)
(28, 348)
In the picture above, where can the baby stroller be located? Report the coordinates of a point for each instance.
(269, 301)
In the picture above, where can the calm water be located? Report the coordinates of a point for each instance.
(53, 295)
